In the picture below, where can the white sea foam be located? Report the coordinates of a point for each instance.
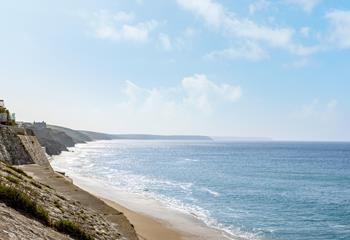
(134, 189)
(212, 192)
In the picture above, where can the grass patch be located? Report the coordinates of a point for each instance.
(22, 202)
(12, 179)
(18, 170)
(73, 230)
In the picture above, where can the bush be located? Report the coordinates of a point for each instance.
(22, 202)
(12, 179)
(73, 230)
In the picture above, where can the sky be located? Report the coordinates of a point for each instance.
(243, 68)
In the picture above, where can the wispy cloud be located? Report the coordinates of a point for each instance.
(318, 110)
(258, 5)
(216, 16)
(202, 93)
(243, 29)
(165, 41)
(340, 27)
(306, 5)
(195, 92)
(120, 26)
(248, 51)
(185, 107)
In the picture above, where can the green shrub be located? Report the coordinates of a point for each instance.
(12, 179)
(73, 230)
(22, 202)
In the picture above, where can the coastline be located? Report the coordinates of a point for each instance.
(146, 227)
(151, 219)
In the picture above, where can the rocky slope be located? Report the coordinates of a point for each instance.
(37, 203)
(36, 210)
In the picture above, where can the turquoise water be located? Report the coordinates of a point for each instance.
(266, 190)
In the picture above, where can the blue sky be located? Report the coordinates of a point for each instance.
(257, 68)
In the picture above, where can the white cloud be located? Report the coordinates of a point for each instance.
(258, 5)
(244, 29)
(332, 104)
(189, 107)
(249, 51)
(340, 27)
(195, 92)
(216, 16)
(120, 26)
(202, 93)
(306, 5)
(165, 41)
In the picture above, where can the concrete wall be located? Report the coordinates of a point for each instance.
(19, 147)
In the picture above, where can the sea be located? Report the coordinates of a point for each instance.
(247, 190)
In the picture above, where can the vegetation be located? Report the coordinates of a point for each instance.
(22, 202)
(8, 121)
(12, 179)
(72, 230)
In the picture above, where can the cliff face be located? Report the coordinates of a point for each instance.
(54, 141)
(12, 149)
(57, 139)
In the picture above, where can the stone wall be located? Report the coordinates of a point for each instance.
(35, 150)
(19, 147)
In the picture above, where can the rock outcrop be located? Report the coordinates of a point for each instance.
(20, 146)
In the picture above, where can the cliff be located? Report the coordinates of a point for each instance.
(38, 203)
(56, 139)
(20, 146)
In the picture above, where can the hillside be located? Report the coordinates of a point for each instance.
(57, 139)
(38, 203)
(34, 209)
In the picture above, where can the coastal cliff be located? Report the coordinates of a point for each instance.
(20, 146)
(56, 139)
(38, 203)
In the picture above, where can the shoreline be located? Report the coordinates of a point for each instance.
(146, 227)
(151, 219)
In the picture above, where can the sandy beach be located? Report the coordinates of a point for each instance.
(148, 227)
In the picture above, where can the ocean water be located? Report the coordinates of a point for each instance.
(252, 190)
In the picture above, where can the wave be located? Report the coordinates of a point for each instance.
(77, 164)
(211, 192)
